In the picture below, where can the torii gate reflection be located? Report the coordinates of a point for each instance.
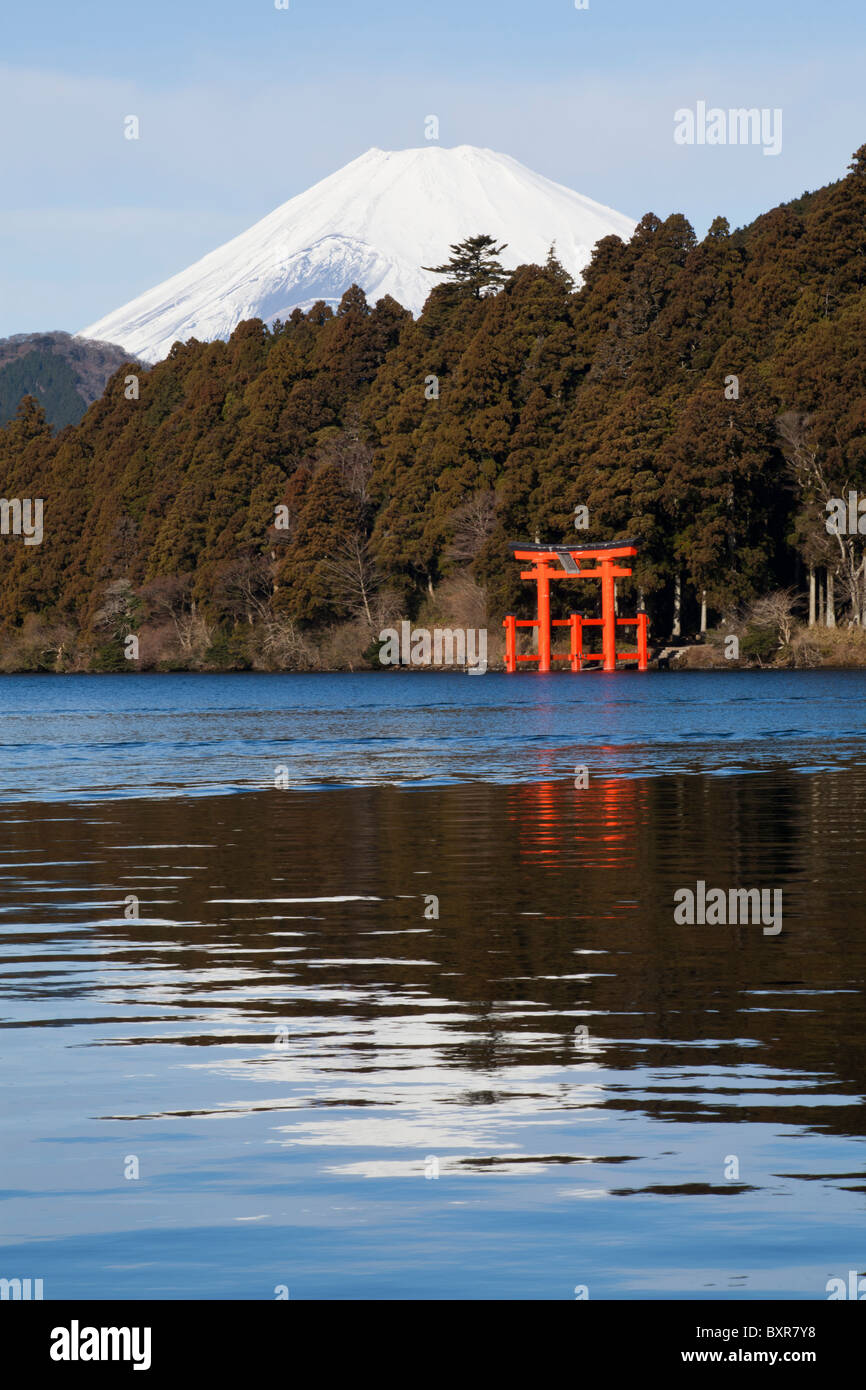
(604, 819)
(564, 562)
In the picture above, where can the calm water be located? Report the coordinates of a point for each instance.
(285, 1042)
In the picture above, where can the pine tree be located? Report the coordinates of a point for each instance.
(474, 266)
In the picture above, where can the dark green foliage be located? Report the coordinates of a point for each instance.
(47, 377)
(227, 652)
(474, 266)
(110, 658)
(64, 373)
(759, 643)
(342, 465)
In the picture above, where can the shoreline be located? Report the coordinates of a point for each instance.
(728, 668)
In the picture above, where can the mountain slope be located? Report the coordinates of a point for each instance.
(64, 373)
(374, 223)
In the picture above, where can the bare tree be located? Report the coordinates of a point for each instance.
(48, 639)
(473, 523)
(816, 489)
(354, 459)
(170, 596)
(387, 609)
(246, 585)
(775, 610)
(285, 645)
(352, 576)
(118, 608)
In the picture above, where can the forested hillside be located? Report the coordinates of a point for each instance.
(274, 500)
(63, 372)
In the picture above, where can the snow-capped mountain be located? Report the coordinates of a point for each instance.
(374, 223)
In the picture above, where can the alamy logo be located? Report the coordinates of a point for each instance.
(76, 1343)
(846, 520)
(738, 126)
(443, 647)
(21, 517)
(736, 907)
(856, 1288)
(21, 1289)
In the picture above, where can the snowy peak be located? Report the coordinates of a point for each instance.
(374, 223)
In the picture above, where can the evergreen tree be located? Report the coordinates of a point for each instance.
(474, 266)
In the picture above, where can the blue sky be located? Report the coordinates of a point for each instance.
(242, 105)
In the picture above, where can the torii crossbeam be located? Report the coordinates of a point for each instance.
(568, 562)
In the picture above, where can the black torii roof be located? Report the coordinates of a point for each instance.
(557, 546)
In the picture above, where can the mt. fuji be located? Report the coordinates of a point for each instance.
(374, 223)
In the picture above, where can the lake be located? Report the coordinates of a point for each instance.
(340, 986)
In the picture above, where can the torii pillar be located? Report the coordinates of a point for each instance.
(542, 579)
(608, 612)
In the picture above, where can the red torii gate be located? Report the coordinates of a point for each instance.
(564, 562)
